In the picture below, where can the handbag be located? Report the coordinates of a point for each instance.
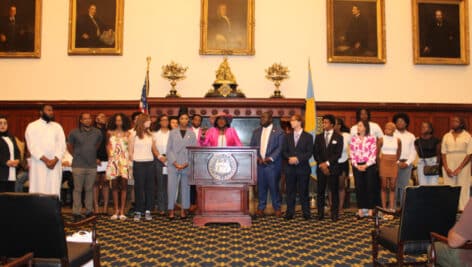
(428, 170)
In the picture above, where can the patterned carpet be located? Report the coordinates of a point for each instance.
(269, 242)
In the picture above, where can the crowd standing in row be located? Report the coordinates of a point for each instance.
(153, 157)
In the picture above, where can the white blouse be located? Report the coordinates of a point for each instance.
(12, 172)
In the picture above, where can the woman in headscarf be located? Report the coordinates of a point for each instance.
(9, 152)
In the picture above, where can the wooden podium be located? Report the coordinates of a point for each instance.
(222, 176)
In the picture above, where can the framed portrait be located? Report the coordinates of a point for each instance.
(20, 28)
(356, 31)
(227, 27)
(96, 27)
(440, 32)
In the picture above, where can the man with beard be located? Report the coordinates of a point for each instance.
(83, 144)
(270, 140)
(46, 142)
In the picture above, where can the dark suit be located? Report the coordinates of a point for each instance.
(330, 153)
(5, 156)
(442, 40)
(13, 31)
(357, 32)
(85, 25)
(268, 175)
(299, 173)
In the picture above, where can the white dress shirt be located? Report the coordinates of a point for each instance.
(265, 134)
(408, 145)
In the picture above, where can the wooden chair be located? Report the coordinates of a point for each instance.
(435, 237)
(424, 209)
(25, 260)
(33, 223)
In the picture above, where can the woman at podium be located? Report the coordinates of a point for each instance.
(222, 134)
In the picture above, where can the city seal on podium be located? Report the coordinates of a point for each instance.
(222, 166)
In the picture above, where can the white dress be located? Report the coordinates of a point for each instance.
(45, 139)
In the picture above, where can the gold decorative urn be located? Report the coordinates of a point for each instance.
(173, 72)
(277, 73)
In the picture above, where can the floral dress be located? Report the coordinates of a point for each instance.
(118, 161)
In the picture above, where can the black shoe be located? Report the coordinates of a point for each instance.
(307, 217)
(320, 217)
(88, 214)
(334, 218)
(288, 217)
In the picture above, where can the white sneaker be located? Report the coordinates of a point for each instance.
(123, 217)
(147, 216)
(114, 217)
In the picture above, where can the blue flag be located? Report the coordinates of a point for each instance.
(310, 115)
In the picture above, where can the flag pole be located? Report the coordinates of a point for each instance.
(148, 60)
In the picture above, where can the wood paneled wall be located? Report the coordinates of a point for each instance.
(20, 113)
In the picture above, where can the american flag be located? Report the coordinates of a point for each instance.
(143, 104)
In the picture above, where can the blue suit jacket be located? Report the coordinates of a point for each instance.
(274, 145)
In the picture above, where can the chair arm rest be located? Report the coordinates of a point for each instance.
(394, 213)
(26, 259)
(89, 220)
(438, 237)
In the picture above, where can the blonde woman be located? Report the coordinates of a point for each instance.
(142, 151)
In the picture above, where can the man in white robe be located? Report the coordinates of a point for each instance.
(46, 142)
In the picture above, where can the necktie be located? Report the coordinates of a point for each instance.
(297, 136)
(326, 139)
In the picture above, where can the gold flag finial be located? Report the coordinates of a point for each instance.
(148, 59)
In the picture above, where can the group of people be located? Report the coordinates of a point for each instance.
(151, 155)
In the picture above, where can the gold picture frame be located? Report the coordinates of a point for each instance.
(227, 27)
(96, 27)
(440, 32)
(356, 31)
(20, 31)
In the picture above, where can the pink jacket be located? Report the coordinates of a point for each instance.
(211, 137)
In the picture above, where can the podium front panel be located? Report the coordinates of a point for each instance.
(223, 165)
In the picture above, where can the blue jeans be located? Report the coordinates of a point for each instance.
(21, 179)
